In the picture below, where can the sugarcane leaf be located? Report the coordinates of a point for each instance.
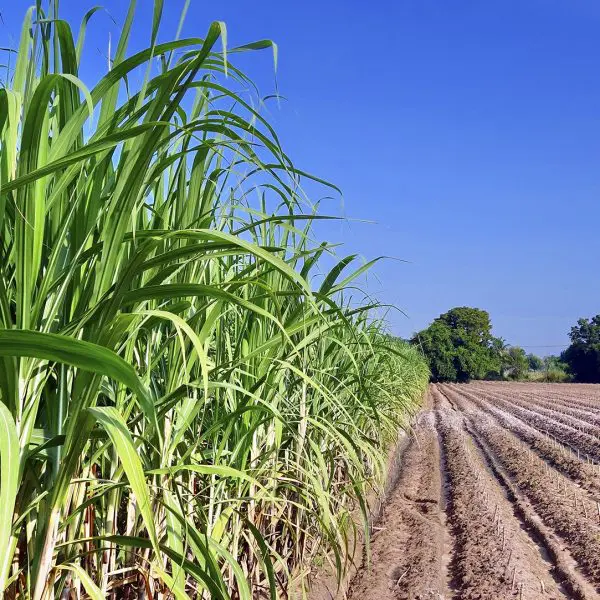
(116, 427)
(9, 476)
(76, 353)
(92, 590)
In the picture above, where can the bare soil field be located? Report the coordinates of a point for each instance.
(498, 497)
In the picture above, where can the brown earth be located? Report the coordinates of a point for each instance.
(492, 501)
(560, 456)
(407, 549)
(586, 446)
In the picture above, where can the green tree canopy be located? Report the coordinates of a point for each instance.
(535, 362)
(459, 345)
(583, 355)
(515, 363)
(553, 362)
(437, 346)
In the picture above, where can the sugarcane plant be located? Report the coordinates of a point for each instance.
(189, 406)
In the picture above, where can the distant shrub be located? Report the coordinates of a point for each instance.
(582, 357)
(554, 375)
(535, 362)
(557, 376)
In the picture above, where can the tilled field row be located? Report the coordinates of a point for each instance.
(408, 546)
(487, 507)
(553, 412)
(565, 407)
(584, 445)
(558, 455)
(580, 397)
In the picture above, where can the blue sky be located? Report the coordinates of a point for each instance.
(468, 131)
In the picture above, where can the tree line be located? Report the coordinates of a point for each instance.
(459, 346)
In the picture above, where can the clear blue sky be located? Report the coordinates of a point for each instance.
(469, 131)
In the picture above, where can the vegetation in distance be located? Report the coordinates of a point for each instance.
(188, 406)
(583, 355)
(459, 346)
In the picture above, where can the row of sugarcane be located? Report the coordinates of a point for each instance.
(191, 405)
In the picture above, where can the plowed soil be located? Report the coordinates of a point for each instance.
(408, 546)
(498, 497)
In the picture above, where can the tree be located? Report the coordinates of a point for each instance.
(516, 363)
(499, 349)
(535, 362)
(553, 362)
(470, 324)
(555, 370)
(583, 355)
(436, 344)
(458, 345)
(512, 361)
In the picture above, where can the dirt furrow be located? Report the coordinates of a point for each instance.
(584, 444)
(552, 413)
(489, 505)
(408, 546)
(494, 557)
(497, 551)
(564, 407)
(559, 502)
(582, 397)
(565, 571)
(572, 405)
(549, 449)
